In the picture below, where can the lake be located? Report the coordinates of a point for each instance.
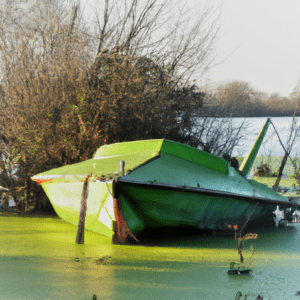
(40, 260)
(271, 145)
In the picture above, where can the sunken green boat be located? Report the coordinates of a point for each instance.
(163, 184)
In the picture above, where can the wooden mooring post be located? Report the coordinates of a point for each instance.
(83, 207)
(122, 167)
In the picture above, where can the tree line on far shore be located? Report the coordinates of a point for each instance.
(239, 99)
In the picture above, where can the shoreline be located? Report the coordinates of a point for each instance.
(28, 215)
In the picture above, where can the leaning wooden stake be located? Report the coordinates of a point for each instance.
(84, 195)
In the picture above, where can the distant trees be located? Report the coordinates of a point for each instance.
(295, 96)
(277, 105)
(239, 99)
(234, 97)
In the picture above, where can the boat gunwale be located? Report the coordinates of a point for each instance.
(204, 191)
(145, 162)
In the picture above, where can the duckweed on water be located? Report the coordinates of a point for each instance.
(40, 260)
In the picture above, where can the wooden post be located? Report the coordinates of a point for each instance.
(122, 167)
(83, 207)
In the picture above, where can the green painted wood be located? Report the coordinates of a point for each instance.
(158, 207)
(106, 159)
(173, 170)
(105, 165)
(248, 161)
(128, 148)
(65, 199)
(194, 155)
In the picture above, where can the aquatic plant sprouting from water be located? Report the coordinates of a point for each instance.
(239, 295)
(238, 236)
(240, 239)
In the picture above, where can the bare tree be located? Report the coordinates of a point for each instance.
(41, 55)
(234, 97)
(218, 135)
(163, 31)
(294, 133)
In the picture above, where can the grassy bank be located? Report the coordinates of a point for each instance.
(273, 162)
(284, 182)
(27, 215)
(270, 181)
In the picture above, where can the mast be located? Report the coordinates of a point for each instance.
(248, 161)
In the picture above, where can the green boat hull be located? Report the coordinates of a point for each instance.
(166, 184)
(162, 207)
(171, 191)
(65, 198)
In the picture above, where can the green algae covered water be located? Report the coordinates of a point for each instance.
(40, 260)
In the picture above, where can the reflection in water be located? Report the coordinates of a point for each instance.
(40, 260)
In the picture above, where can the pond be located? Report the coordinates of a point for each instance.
(40, 260)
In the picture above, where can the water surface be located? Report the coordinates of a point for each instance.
(40, 260)
(271, 145)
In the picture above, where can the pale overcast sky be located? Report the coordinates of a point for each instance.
(264, 38)
(260, 42)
